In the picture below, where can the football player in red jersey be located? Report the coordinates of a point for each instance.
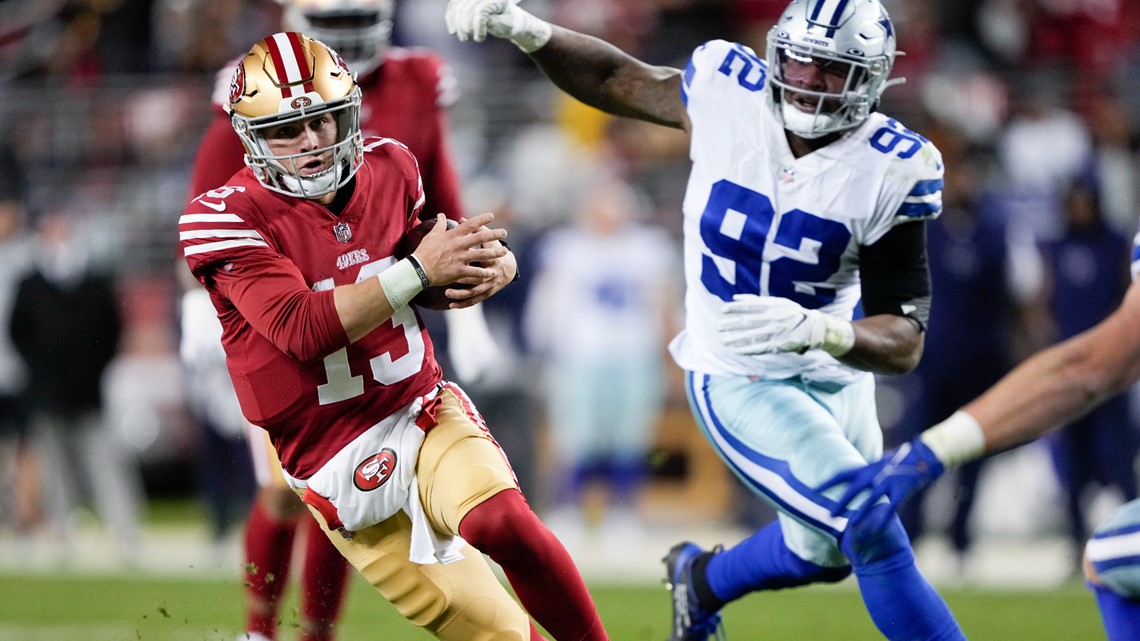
(406, 94)
(394, 463)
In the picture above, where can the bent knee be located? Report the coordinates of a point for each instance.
(1112, 555)
(461, 601)
(483, 619)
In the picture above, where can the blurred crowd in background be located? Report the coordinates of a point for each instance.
(1033, 103)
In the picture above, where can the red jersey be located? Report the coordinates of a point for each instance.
(270, 263)
(405, 98)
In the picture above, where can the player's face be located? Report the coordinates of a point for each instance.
(813, 74)
(316, 133)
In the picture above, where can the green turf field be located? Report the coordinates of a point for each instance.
(41, 608)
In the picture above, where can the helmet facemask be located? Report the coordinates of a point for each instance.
(860, 48)
(282, 173)
(312, 82)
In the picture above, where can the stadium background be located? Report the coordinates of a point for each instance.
(103, 101)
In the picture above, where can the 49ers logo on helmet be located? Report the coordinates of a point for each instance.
(375, 470)
(300, 102)
(340, 61)
(237, 83)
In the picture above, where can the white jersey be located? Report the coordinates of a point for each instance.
(760, 221)
(600, 297)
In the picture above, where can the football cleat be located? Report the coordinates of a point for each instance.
(690, 621)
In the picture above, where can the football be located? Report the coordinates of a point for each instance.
(432, 297)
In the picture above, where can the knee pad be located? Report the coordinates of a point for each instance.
(413, 593)
(863, 545)
(460, 601)
(1113, 553)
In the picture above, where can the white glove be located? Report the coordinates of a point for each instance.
(470, 346)
(474, 19)
(753, 325)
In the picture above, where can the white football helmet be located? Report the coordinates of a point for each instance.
(289, 77)
(359, 29)
(857, 35)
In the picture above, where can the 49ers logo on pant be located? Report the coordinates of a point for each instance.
(375, 470)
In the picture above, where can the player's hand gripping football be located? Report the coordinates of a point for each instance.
(900, 473)
(460, 255)
(474, 19)
(751, 325)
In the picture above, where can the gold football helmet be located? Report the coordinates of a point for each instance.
(290, 77)
(359, 29)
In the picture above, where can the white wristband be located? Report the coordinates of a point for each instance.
(527, 31)
(400, 282)
(956, 440)
(833, 335)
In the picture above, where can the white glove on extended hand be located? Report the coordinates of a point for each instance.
(753, 325)
(474, 19)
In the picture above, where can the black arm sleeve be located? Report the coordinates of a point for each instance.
(896, 275)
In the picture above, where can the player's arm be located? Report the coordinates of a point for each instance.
(896, 288)
(1061, 383)
(443, 257)
(889, 339)
(589, 69)
(1049, 389)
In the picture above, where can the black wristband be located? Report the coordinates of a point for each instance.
(419, 270)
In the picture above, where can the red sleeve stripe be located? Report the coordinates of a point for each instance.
(290, 62)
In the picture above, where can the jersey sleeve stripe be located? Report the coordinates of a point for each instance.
(219, 233)
(223, 244)
(921, 209)
(687, 81)
(209, 218)
(927, 187)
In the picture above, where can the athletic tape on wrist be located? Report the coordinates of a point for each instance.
(956, 440)
(528, 32)
(402, 281)
(838, 335)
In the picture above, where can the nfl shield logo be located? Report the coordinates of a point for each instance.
(343, 233)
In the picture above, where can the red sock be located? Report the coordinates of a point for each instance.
(268, 550)
(323, 583)
(537, 565)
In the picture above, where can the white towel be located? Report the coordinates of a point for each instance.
(427, 545)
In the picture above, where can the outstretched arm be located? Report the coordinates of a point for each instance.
(587, 68)
(1063, 382)
(605, 77)
(1049, 389)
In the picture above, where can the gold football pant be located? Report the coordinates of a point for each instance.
(459, 467)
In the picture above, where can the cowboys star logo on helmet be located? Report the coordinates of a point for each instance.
(290, 78)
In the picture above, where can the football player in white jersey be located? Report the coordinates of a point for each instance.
(804, 247)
